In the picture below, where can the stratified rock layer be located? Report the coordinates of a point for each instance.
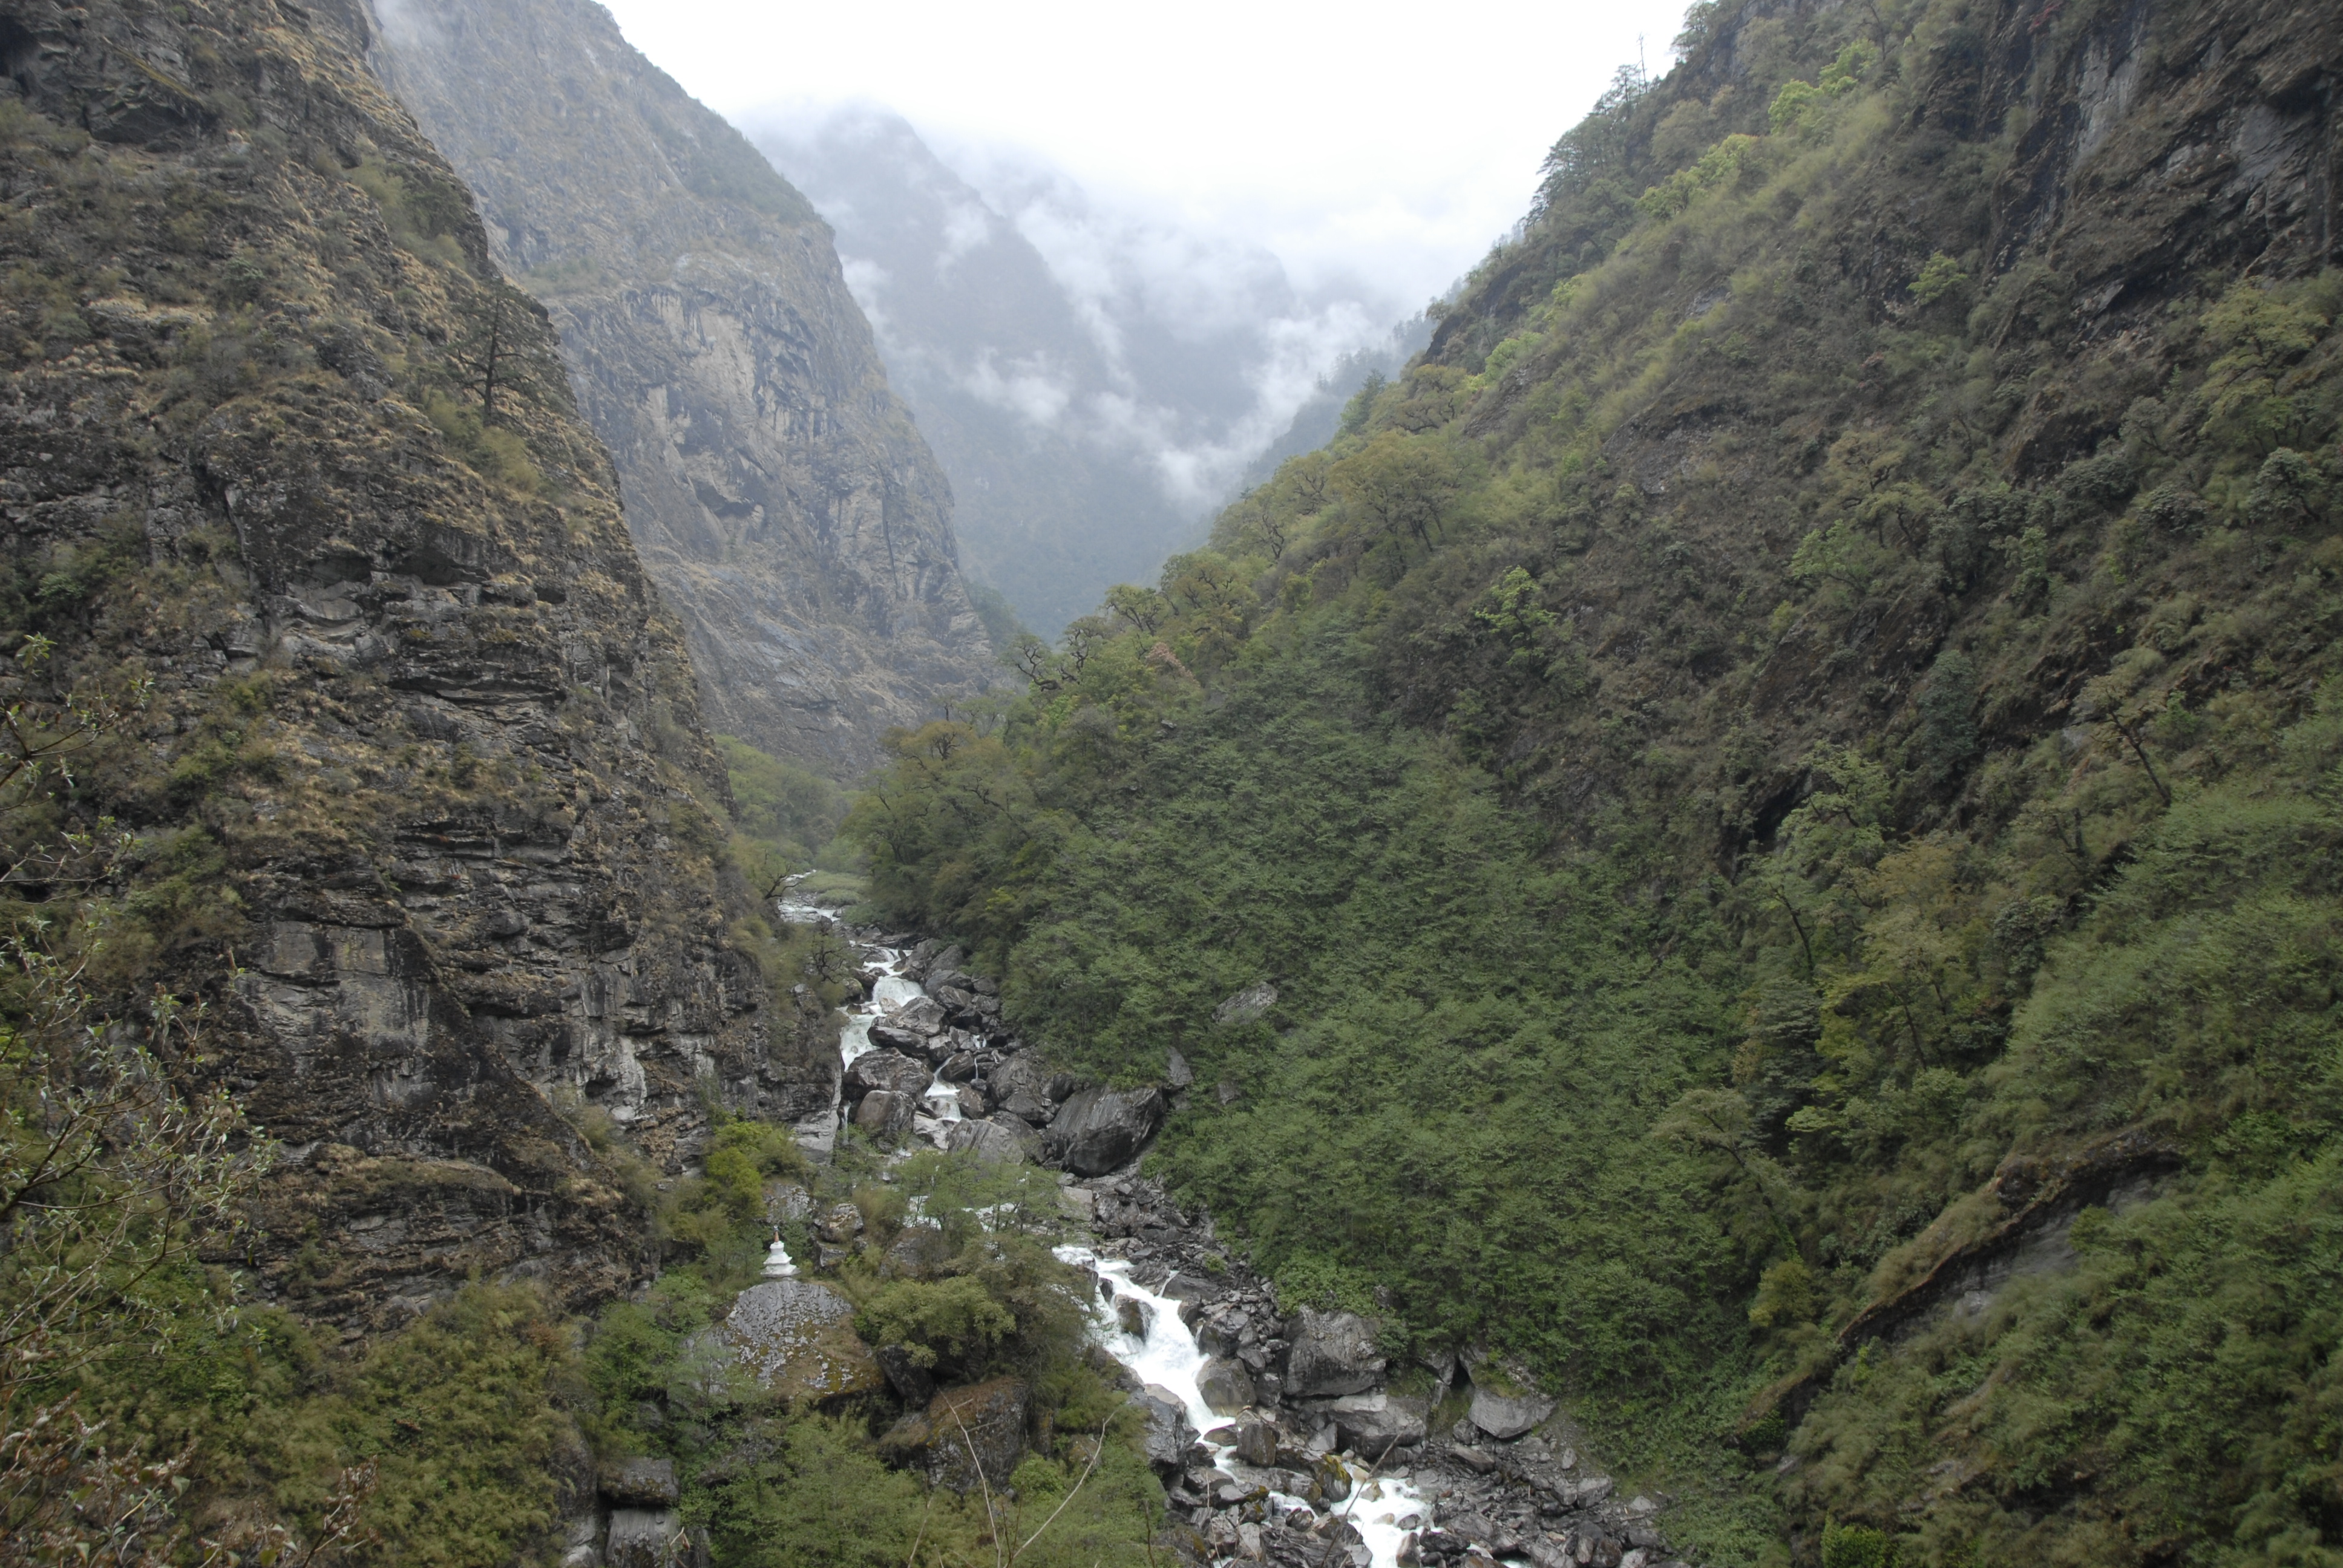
(778, 489)
(427, 810)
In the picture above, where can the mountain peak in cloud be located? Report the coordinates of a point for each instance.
(1095, 377)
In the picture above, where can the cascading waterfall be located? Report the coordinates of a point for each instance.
(1383, 1508)
(891, 990)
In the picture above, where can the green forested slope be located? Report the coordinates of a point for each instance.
(1785, 775)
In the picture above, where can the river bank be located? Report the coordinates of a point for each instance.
(1280, 1436)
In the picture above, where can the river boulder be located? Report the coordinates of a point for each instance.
(1333, 1353)
(797, 1338)
(963, 1431)
(909, 1026)
(886, 1114)
(1000, 1139)
(1505, 1402)
(1168, 1430)
(888, 1070)
(1370, 1424)
(1100, 1130)
(1225, 1385)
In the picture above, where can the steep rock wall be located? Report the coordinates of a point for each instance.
(776, 487)
(426, 812)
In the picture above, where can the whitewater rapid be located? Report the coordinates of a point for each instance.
(1383, 1508)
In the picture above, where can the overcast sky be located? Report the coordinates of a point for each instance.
(1390, 143)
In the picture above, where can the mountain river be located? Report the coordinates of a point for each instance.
(1383, 1508)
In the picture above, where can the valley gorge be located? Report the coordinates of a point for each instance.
(776, 488)
(1710, 937)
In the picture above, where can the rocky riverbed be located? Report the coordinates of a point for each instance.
(1281, 1437)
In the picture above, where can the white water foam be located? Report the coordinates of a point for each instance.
(1384, 1509)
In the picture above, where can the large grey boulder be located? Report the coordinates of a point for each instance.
(999, 1140)
(1169, 1433)
(1333, 1353)
(1505, 1402)
(1370, 1424)
(888, 1070)
(1225, 1385)
(797, 1336)
(886, 1114)
(1100, 1129)
(911, 1025)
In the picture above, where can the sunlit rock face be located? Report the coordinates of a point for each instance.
(778, 492)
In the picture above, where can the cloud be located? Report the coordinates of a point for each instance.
(1030, 387)
(865, 279)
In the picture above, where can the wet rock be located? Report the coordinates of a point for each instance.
(1332, 1354)
(1099, 1129)
(1135, 1316)
(963, 1431)
(1222, 1335)
(1256, 1443)
(797, 1338)
(942, 1046)
(1329, 1480)
(1002, 1140)
(958, 1068)
(641, 1483)
(1168, 1432)
(1246, 1005)
(922, 1017)
(888, 1069)
(885, 1114)
(970, 1100)
(1224, 1385)
(642, 1538)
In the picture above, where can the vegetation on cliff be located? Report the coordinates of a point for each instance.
(1786, 776)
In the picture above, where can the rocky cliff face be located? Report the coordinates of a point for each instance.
(426, 810)
(776, 487)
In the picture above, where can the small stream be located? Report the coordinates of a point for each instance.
(1384, 1509)
(890, 991)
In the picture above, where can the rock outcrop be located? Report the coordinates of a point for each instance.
(429, 805)
(777, 488)
(797, 1336)
(964, 1432)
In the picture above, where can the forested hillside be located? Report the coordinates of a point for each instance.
(1786, 776)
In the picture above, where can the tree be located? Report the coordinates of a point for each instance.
(1403, 485)
(499, 353)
